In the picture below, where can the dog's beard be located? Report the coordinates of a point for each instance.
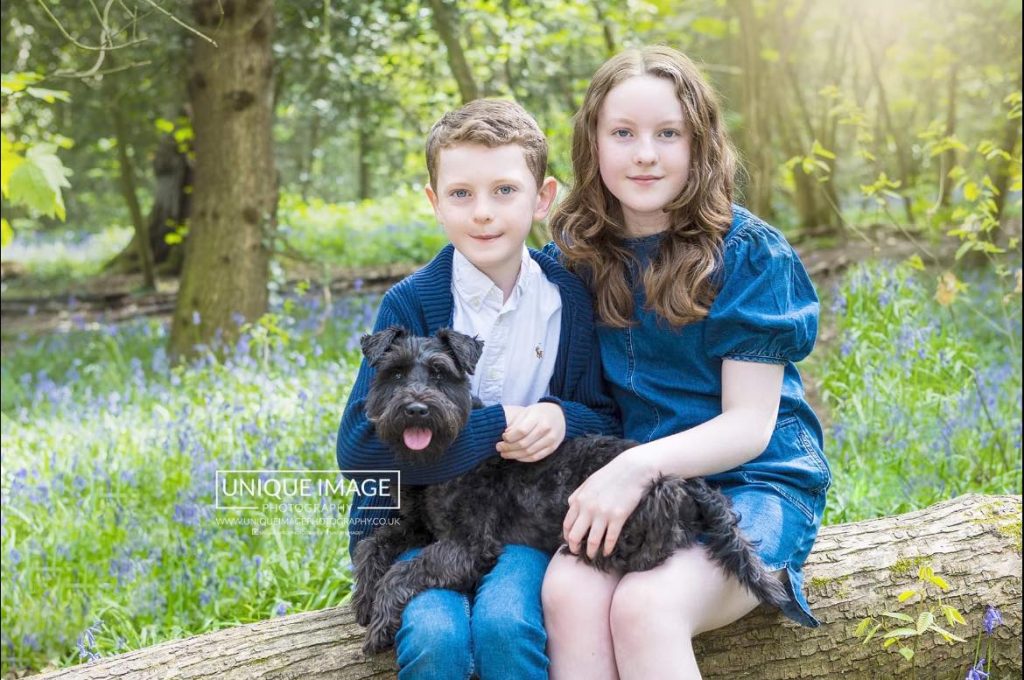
(419, 440)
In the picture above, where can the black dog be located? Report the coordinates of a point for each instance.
(419, 401)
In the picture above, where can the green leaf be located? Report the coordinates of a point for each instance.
(962, 250)
(164, 125)
(924, 620)
(862, 627)
(37, 182)
(971, 191)
(949, 637)
(9, 161)
(16, 82)
(901, 633)
(6, 233)
(872, 632)
(48, 96)
(818, 150)
(907, 653)
(917, 263)
(899, 616)
(953, 615)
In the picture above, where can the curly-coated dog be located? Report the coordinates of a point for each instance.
(419, 401)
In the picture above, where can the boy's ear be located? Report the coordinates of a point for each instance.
(375, 346)
(545, 197)
(465, 350)
(432, 197)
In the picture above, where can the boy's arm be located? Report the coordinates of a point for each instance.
(358, 447)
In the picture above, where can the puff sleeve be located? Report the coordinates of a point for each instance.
(766, 309)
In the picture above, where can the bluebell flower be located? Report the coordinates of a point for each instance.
(993, 619)
(281, 609)
(186, 514)
(975, 672)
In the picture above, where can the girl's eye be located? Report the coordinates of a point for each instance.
(671, 134)
(506, 190)
(620, 133)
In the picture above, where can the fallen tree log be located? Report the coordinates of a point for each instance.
(856, 570)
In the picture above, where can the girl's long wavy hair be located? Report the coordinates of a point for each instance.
(589, 226)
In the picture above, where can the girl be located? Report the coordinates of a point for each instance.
(704, 308)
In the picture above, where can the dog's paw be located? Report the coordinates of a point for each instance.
(377, 640)
(362, 605)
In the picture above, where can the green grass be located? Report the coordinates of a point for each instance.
(924, 400)
(109, 539)
(369, 233)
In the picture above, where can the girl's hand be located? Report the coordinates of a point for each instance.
(533, 433)
(603, 503)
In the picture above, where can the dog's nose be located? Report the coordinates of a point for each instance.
(417, 410)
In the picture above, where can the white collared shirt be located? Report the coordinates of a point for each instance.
(520, 334)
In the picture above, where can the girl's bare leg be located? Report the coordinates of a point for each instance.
(577, 600)
(655, 614)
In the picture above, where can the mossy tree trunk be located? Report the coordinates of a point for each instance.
(855, 570)
(234, 199)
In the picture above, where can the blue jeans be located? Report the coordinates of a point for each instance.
(496, 633)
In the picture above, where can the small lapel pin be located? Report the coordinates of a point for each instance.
(539, 352)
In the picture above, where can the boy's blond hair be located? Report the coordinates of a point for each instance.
(492, 123)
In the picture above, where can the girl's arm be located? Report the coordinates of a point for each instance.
(751, 392)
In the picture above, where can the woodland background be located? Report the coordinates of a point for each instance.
(202, 202)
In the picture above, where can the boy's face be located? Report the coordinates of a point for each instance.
(487, 200)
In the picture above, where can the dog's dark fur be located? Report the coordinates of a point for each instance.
(424, 383)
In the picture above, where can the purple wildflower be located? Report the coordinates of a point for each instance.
(993, 619)
(975, 672)
(196, 318)
(281, 609)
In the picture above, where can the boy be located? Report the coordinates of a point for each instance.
(539, 378)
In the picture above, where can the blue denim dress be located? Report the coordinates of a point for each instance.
(666, 380)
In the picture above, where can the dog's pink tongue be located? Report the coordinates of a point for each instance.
(417, 438)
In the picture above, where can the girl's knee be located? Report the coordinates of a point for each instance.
(641, 602)
(571, 587)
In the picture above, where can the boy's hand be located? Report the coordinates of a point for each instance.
(533, 433)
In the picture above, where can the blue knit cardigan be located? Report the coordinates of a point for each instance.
(423, 304)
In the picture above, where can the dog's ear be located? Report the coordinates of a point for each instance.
(375, 346)
(465, 350)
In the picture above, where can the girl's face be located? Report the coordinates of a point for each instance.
(643, 149)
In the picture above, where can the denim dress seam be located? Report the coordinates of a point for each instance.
(798, 504)
(630, 374)
(817, 458)
(757, 358)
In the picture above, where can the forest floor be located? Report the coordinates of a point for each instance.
(115, 297)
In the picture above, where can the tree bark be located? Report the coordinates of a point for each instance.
(227, 254)
(856, 570)
(446, 26)
(127, 172)
(172, 181)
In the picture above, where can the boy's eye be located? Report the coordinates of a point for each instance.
(506, 190)
(459, 193)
